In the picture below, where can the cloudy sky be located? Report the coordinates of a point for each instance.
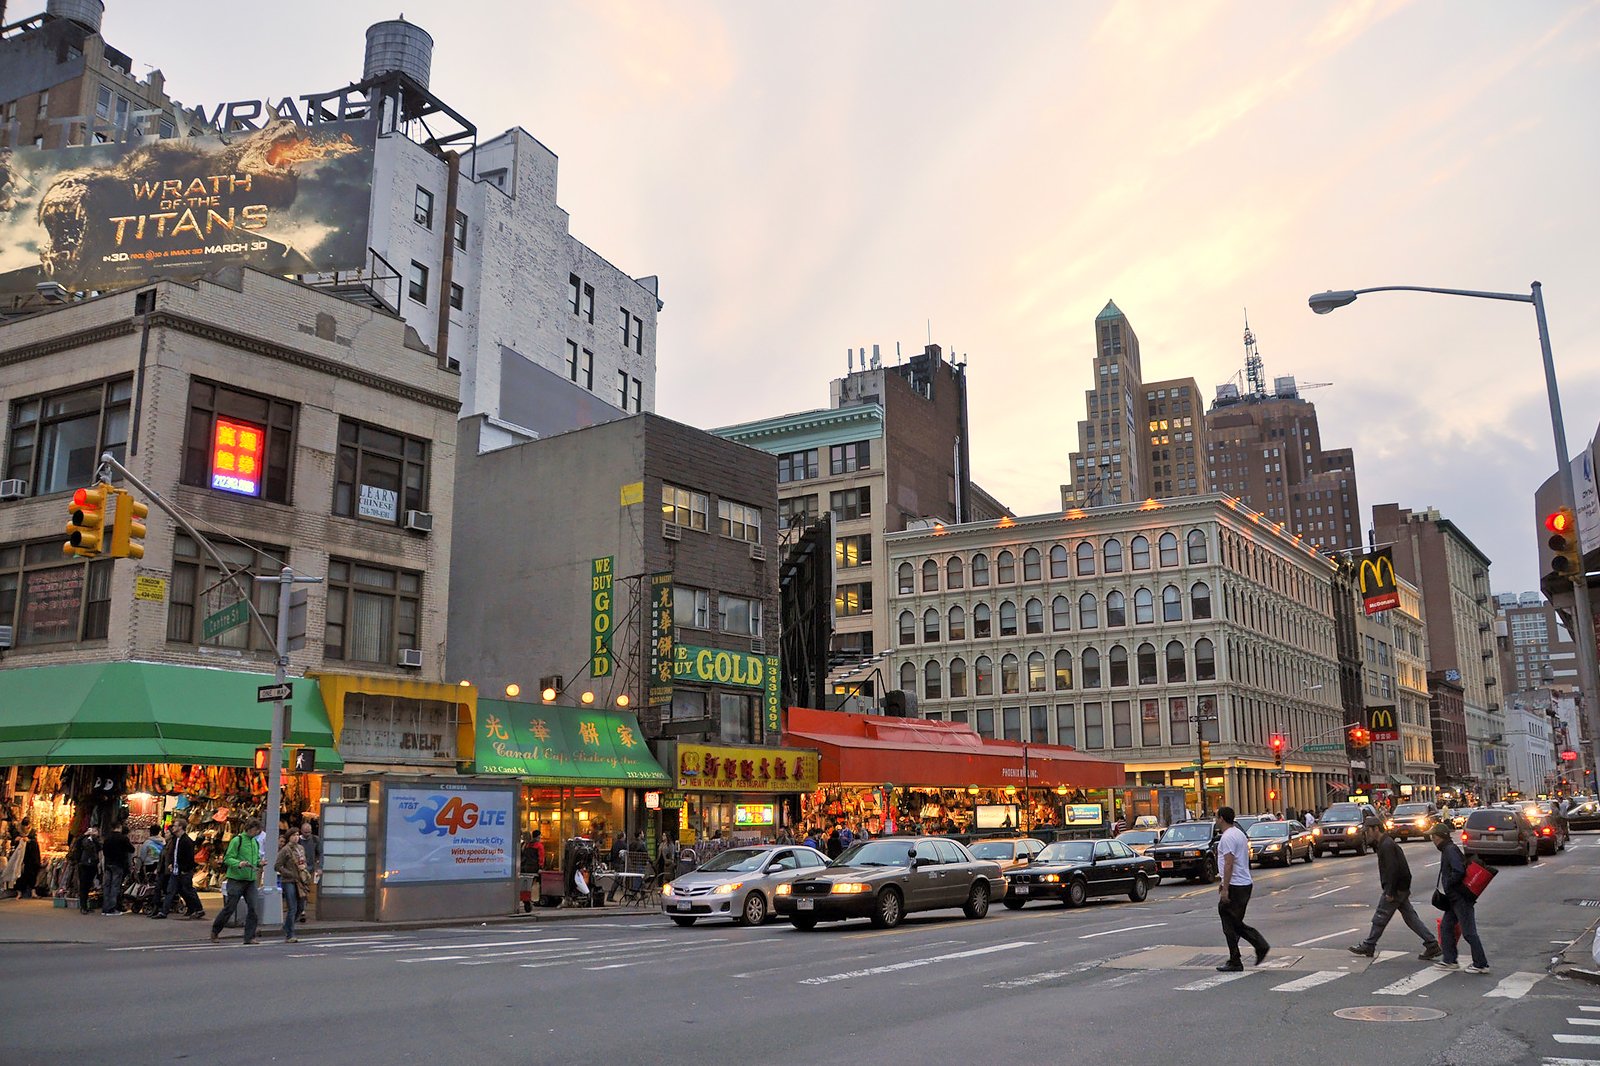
(811, 178)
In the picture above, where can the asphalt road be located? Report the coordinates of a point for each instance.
(1113, 982)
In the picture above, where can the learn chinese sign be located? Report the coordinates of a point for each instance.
(601, 586)
(563, 745)
(237, 449)
(449, 835)
(661, 656)
(702, 766)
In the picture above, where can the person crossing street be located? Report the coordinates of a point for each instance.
(1233, 894)
(1394, 877)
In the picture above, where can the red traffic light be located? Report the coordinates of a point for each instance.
(1277, 742)
(1560, 521)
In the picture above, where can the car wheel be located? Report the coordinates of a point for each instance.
(1013, 904)
(1076, 894)
(1316, 853)
(977, 900)
(684, 920)
(890, 909)
(1140, 889)
(1311, 854)
(1361, 849)
(754, 911)
(804, 923)
(1209, 874)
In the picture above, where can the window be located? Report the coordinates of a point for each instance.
(1197, 546)
(984, 669)
(461, 230)
(417, 283)
(906, 579)
(1177, 667)
(1011, 719)
(47, 601)
(1058, 562)
(953, 575)
(1146, 663)
(1171, 604)
(932, 681)
(985, 723)
(373, 612)
(1036, 672)
(218, 448)
(1150, 723)
(1117, 661)
(587, 371)
(632, 331)
(1066, 724)
(1200, 600)
(572, 360)
(908, 628)
(852, 551)
(1063, 665)
(1060, 614)
(1085, 559)
(198, 590)
(638, 396)
(1030, 565)
(381, 475)
(57, 438)
(1205, 661)
(588, 304)
(1039, 725)
(980, 570)
(102, 104)
(796, 511)
(1116, 609)
(1121, 724)
(739, 722)
(422, 212)
(1033, 617)
(852, 599)
(848, 458)
(622, 389)
(1088, 612)
(1113, 554)
(851, 504)
(1206, 715)
(1168, 547)
(691, 607)
(574, 286)
(739, 521)
(684, 506)
(980, 621)
(739, 616)
(1005, 568)
(1091, 668)
(1010, 674)
(1178, 719)
(1144, 607)
(1139, 548)
(930, 626)
(1094, 727)
(458, 297)
(957, 629)
(1008, 618)
(797, 466)
(958, 678)
(930, 576)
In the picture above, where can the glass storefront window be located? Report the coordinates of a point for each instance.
(562, 813)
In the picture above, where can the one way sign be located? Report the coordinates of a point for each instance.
(270, 693)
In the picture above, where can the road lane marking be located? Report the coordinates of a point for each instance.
(479, 944)
(1547, 1061)
(1407, 985)
(1310, 980)
(1385, 956)
(1330, 892)
(913, 963)
(1049, 975)
(1320, 939)
(1515, 986)
(1582, 1021)
(1591, 1010)
(610, 954)
(1125, 929)
(1572, 1038)
(438, 958)
(1214, 981)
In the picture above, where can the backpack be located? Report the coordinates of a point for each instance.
(88, 850)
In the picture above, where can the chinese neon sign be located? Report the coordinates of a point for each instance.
(236, 452)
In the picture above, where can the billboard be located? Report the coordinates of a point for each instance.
(1379, 590)
(287, 199)
(449, 834)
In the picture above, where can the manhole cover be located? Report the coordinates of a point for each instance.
(1389, 1014)
(1585, 902)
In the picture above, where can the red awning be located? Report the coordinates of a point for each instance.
(867, 749)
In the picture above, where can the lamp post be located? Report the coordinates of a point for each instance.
(1324, 302)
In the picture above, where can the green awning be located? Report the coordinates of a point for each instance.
(564, 745)
(112, 714)
(1400, 779)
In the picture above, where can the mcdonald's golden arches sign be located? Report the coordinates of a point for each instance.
(1383, 727)
(1379, 590)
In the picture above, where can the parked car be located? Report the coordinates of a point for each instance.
(1140, 840)
(1245, 821)
(1279, 842)
(1410, 820)
(740, 883)
(1549, 825)
(1188, 849)
(1499, 832)
(1074, 870)
(1339, 828)
(887, 878)
(1012, 853)
(1585, 815)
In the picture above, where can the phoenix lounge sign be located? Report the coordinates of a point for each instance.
(1379, 589)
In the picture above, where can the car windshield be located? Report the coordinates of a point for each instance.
(1068, 851)
(1267, 829)
(1139, 836)
(992, 849)
(1408, 809)
(1188, 831)
(737, 860)
(1342, 812)
(876, 853)
(1492, 820)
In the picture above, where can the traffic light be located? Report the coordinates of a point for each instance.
(1272, 795)
(1360, 736)
(305, 760)
(127, 527)
(1278, 744)
(86, 520)
(264, 757)
(1568, 557)
(1205, 752)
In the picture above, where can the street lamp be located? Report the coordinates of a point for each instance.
(1323, 302)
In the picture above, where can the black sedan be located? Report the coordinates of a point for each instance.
(1278, 842)
(1188, 849)
(888, 878)
(1584, 815)
(1074, 870)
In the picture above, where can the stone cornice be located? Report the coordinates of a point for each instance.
(63, 342)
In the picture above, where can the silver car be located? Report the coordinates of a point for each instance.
(738, 883)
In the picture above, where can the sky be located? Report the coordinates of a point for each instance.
(811, 178)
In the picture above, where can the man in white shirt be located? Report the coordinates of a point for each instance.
(1233, 894)
(1310, 820)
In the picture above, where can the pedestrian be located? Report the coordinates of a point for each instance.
(1459, 905)
(813, 838)
(178, 864)
(311, 844)
(32, 863)
(834, 847)
(242, 864)
(85, 856)
(1233, 894)
(846, 837)
(1311, 819)
(118, 857)
(1394, 877)
(293, 879)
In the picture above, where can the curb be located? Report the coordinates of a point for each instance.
(1564, 965)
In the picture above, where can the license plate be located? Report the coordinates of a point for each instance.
(684, 905)
(1166, 865)
(806, 904)
(1491, 836)
(1022, 890)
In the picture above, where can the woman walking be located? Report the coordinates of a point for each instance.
(294, 877)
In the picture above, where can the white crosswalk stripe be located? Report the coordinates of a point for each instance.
(1310, 980)
(1515, 986)
(1407, 985)
(1214, 981)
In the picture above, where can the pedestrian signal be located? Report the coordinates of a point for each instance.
(264, 757)
(1567, 559)
(305, 760)
(127, 527)
(86, 520)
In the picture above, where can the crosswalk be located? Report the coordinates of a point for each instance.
(1585, 1040)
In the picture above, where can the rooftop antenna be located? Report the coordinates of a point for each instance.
(850, 359)
(1254, 372)
(930, 331)
(877, 361)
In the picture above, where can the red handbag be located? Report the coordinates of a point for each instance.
(1477, 878)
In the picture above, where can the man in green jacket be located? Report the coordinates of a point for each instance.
(243, 859)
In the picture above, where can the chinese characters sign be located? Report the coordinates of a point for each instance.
(702, 767)
(601, 583)
(237, 449)
(661, 657)
(568, 745)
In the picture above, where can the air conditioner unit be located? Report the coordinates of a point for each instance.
(758, 552)
(5, 637)
(410, 657)
(359, 793)
(671, 531)
(419, 521)
(13, 488)
(758, 646)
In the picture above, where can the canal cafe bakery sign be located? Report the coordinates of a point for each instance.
(703, 766)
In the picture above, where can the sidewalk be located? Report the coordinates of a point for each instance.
(1576, 960)
(38, 921)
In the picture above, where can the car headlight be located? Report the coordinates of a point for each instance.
(1316, 830)
(850, 888)
(1349, 830)
(1191, 854)
(781, 890)
(1388, 823)
(1274, 847)
(1054, 879)
(666, 889)
(1422, 823)
(724, 889)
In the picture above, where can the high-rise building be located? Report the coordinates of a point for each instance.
(1536, 650)
(1395, 693)
(1539, 667)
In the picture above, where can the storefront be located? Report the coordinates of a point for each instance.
(886, 775)
(732, 793)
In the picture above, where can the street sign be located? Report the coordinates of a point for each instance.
(272, 693)
(235, 614)
(297, 620)
(1322, 747)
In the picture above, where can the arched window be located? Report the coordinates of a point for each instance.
(906, 581)
(1198, 551)
(980, 570)
(1005, 568)
(1205, 660)
(1200, 600)
(930, 576)
(1008, 618)
(958, 678)
(1116, 609)
(908, 677)
(1088, 612)
(1147, 664)
(930, 626)
(1063, 670)
(1113, 553)
(1168, 546)
(1117, 659)
(908, 628)
(1176, 668)
(1144, 607)
(1030, 565)
(954, 573)
(1085, 553)
(1058, 561)
(958, 623)
(1060, 614)
(980, 621)
(1010, 674)
(1033, 616)
(983, 683)
(1036, 672)
(1091, 668)
(932, 681)
(1139, 548)
(1171, 604)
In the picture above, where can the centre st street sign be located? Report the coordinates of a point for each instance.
(235, 614)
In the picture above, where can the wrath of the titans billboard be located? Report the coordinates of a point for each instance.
(287, 199)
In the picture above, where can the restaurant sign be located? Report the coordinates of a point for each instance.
(703, 766)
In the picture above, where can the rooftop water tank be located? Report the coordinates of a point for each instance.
(86, 13)
(397, 46)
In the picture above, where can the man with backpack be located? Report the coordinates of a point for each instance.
(243, 864)
(118, 853)
(85, 855)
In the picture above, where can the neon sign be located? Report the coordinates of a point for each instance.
(236, 452)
